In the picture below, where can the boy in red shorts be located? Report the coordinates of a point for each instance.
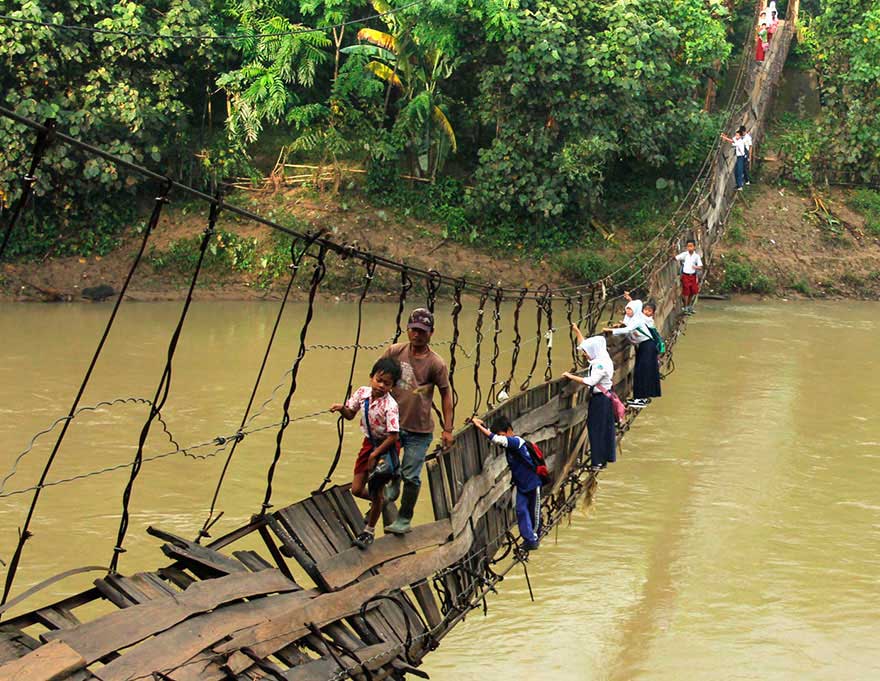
(691, 266)
(380, 423)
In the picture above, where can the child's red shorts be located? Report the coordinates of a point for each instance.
(690, 286)
(362, 463)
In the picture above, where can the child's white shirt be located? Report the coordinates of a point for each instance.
(601, 373)
(690, 261)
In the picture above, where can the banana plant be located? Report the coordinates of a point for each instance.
(413, 71)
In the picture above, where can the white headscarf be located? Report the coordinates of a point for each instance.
(638, 318)
(596, 349)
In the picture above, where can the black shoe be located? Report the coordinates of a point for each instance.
(530, 546)
(363, 540)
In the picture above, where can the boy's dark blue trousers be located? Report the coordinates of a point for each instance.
(528, 514)
(739, 170)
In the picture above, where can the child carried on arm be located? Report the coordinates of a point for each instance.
(526, 475)
(378, 460)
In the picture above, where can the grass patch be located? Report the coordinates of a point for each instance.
(583, 266)
(741, 276)
(867, 202)
(802, 286)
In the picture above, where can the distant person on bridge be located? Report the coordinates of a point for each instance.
(747, 143)
(691, 265)
(646, 374)
(422, 371)
(761, 41)
(739, 147)
(524, 470)
(600, 415)
(378, 459)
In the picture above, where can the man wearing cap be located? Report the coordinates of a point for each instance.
(421, 370)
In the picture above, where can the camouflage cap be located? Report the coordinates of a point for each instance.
(420, 318)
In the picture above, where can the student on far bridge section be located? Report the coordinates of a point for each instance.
(422, 371)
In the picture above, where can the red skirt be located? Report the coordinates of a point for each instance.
(759, 50)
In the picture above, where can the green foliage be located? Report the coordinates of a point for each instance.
(735, 235)
(867, 201)
(843, 39)
(132, 97)
(802, 286)
(741, 275)
(582, 87)
(800, 146)
(226, 251)
(584, 266)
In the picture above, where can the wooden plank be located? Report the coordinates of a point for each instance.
(475, 489)
(299, 523)
(15, 643)
(195, 555)
(265, 638)
(345, 567)
(320, 670)
(438, 490)
(176, 576)
(347, 508)
(537, 418)
(98, 638)
(182, 643)
(56, 618)
(52, 661)
(332, 522)
(252, 560)
(428, 603)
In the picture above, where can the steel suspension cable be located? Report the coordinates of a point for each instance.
(370, 271)
(453, 344)
(405, 285)
(478, 333)
(295, 261)
(163, 389)
(317, 276)
(496, 348)
(28, 180)
(24, 532)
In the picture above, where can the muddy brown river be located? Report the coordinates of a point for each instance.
(738, 537)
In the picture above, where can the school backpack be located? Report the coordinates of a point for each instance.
(654, 335)
(658, 340)
(538, 462)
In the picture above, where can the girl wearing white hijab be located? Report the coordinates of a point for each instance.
(646, 374)
(600, 416)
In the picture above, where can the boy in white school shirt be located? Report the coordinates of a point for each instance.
(691, 265)
(739, 147)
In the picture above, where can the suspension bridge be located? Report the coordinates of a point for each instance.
(308, 606)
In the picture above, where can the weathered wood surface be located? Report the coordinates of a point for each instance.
(49, 662)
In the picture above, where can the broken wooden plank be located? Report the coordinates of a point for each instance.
(265, 638)
(15, 643)
(174, 649)
(52, 661)
(122, 628)
(345, 567)
(195, 555)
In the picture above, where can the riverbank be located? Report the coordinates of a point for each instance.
(783, 243)
(779, 242)
(247, 261)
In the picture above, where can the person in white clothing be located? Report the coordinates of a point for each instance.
(747, 143)
(691, 265)
(646, 374)
(600, 414)
(739, 147)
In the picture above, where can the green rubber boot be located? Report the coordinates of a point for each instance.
(399, 526)
(405, 513)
